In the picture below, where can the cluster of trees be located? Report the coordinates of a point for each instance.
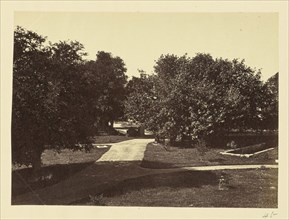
(202, 97)
(59, 99)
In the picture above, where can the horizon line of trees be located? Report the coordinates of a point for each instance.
(60, 99)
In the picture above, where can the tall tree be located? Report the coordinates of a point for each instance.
(48, 106)
(108, 76)
(140, 103)
(33, 97)
(73, 107)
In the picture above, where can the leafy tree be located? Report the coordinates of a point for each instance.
(227, 95)
(199, 97)
(33, 97)
(140, 103)
(270, 103)
(73, 107)
(107, 75)
(48, 100)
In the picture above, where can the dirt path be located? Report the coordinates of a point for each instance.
(231, 167)
(131, 150)
(218, 167)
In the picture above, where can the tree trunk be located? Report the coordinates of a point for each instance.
(36, 158)
(141, 131)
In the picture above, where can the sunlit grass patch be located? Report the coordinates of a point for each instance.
(156, 156)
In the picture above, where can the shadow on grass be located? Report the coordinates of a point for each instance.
(184, 179)
(25, 180)
(242, 140)
(192, 188)
(156, 165)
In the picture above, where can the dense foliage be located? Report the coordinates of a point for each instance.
(107, 76)
(270, 103)
(58, 97)
(198, 97)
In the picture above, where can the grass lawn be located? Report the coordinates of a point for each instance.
(157, 156)
(243, 188)
(56, 167)
(72, 178)
(111, 139)
(67, 156)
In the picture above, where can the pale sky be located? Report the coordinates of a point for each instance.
(140, 38)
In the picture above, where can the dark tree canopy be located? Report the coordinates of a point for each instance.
(32, 96)
(47, 99)
(197, 97)
(270, 103)
(107, 74)
(58, 98)
(139, 105)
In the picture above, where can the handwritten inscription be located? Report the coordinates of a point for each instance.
(270, 215)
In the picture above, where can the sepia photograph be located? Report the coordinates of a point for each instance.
(149, 109)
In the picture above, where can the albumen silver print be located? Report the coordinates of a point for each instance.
(147, 109)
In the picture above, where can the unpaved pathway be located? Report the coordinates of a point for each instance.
(220, 167)
(231, 167)
(131, 150)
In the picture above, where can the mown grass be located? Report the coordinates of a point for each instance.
(92, 179)
(68, 156)
(56, 167)
(110, 139)
(59, 166)
(158, 156)
(244, 188)
(73, 178)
